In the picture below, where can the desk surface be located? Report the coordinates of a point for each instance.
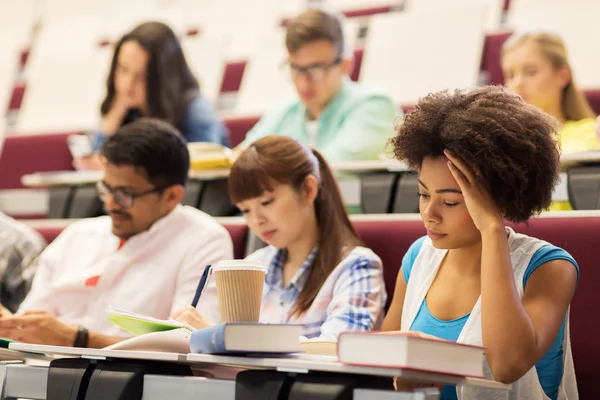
(96, 353)
(300, 363)
(74, 178)
(304, 364)
(571, 159)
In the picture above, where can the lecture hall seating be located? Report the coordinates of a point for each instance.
(576, 232)
(391, 235)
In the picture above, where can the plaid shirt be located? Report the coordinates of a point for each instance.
(20, 247)
(351, 299)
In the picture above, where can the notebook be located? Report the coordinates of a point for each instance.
(137, 324)
(204, 155)
(171, 341)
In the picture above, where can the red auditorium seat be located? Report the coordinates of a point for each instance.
(357, 13)
(33, 153)
(593, 97)
(391, 239)
(50, 232)
(237, 230)
(232, 76)
(365, 12)
(490, 61)
(238, 127)
(16, 97)
(239, 236)
(358, 56)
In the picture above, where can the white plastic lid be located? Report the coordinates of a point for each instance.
(229, 265)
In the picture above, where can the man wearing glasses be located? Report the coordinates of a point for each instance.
(342, 119)
(146, 256)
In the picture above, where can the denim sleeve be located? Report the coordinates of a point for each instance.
(201, 124)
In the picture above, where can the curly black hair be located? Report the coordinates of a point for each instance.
(511, 146)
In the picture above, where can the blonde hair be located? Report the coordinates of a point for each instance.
(574, 105)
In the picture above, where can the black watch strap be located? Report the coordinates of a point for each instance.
(82, 337)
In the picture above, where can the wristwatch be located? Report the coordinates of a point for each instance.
(82, 337)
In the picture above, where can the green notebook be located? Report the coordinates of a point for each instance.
(137, 324)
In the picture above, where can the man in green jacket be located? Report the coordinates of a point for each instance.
(344, 120)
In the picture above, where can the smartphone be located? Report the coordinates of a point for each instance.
(79, 146)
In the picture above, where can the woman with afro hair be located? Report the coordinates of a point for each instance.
(485, 156)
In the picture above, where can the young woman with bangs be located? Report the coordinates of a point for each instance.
(319, 274)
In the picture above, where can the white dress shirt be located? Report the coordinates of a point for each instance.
(155, 273)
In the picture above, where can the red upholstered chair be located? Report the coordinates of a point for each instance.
(33, 153)
(237, 230)
(391, 236)
(239, 127)
(232, 77)
(593, 97)
(365, 12)
(490, 61)
(50, 232)
(239, 235)
(578, 236)
(358, 56)
(17, 97)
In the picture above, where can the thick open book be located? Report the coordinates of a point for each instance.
(412, 351)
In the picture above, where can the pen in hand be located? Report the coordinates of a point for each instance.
(202, 284)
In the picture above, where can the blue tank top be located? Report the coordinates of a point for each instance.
(550, 366)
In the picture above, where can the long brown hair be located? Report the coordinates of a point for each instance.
(170, 83)
(278, 159)
(574, 105)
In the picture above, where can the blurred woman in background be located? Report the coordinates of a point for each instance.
(536, 66)
(150, 77)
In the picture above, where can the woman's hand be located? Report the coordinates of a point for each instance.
(192, 317)
(113, 119)
(483, 209)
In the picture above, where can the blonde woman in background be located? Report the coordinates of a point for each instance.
(536, 66)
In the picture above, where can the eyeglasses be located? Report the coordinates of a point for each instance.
(314, 72)
(123, 197)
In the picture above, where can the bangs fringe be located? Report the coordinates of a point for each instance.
(248, 179)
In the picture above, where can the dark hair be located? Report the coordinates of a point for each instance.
(281, 159)
(312, 25)
(151, 144)
(510, 146)
(170, 84)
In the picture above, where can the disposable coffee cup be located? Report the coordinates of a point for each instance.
(239, 289)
